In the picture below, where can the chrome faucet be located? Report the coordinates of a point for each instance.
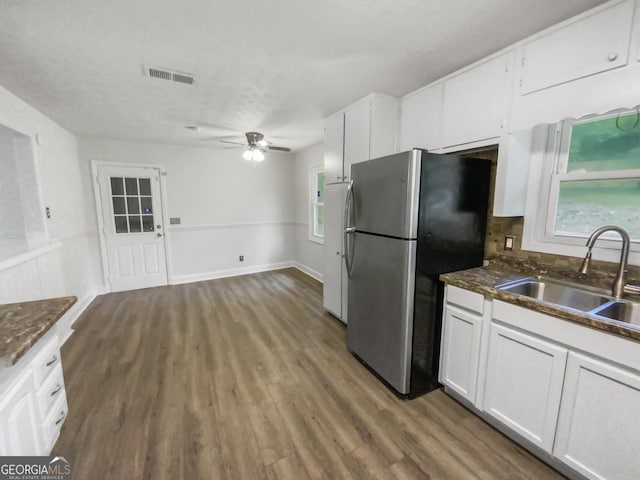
(617, 290)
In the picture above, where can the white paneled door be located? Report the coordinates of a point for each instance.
(133, 228)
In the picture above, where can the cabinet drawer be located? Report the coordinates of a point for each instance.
(52, 424)
(46, 361)
(464, 298)
(51, 389)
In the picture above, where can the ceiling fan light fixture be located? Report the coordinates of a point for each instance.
(263, 143)
(258, 156)
(248, 154)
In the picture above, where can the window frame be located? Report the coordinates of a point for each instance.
(547, 169)
(313, 203)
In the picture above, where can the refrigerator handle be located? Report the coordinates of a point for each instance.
(348, 229)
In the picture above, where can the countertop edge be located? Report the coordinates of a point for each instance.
(12, 358)
(612, 327)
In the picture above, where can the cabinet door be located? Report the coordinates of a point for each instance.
(334, 148)
(460, 351)
(357, 125)
(421, 119)
(474, 102)
(332, 275)
(590, 45)
(599, 422)
(19, 418)
(524, 384)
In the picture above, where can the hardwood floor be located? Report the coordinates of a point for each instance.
(248, 378)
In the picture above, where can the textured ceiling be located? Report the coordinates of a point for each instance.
(276, 66)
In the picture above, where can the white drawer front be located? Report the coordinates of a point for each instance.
(466, 299)
(47, 360)
(50, 391)
(52, 424)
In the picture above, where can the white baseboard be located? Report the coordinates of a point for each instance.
(65, 329)
(232, 272)
(309, 271)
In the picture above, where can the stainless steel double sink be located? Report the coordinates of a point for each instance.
(576, 297)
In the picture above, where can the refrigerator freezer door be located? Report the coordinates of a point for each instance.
(381, 291)
(385, 195)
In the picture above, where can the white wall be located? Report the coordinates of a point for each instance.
(72, 266)
(227, 208)
(308, 255)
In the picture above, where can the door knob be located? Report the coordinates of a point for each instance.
(158, 235)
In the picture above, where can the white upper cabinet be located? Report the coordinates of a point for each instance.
(421, 119)
(364, 130)
(357, 134)
(334, 148)
(591, 44)
(475, 102)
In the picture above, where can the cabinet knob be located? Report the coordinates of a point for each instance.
(337, 253)
(612, 57)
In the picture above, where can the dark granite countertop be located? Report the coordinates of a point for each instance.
(484, 280)
(23, 324)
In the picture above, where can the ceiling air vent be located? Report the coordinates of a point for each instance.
(164, 74)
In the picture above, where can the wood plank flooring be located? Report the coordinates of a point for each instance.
(248, 378)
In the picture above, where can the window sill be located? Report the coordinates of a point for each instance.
(27, 256)
(316, 239)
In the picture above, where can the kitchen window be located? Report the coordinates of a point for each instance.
(316, 230)
(590, 177)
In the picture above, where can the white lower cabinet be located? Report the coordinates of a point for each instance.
(599, 423)
(20, 426)
(524, 383)
(461, 332)
(33, 403)
(569, 393)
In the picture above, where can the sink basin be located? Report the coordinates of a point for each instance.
(628, 312)
(558, 293)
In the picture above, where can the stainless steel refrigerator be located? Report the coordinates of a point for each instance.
(408, 218)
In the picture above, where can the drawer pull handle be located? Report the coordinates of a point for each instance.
(53, 360)
(58, 388)
(62, 415)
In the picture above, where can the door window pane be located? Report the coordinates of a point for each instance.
(146, 204)
(117, 187)
(606, 144)
(118, 205)
(145, 186)
(134, 223)
(132, 186)
(147, 223)
(584, 206)
(132, 205)
(121, 224)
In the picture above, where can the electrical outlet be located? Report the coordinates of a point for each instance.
(48, 212)
(509, 242)
(242, 258)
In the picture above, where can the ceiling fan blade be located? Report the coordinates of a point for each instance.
(232, 148)
(279, 149)
(234, 143)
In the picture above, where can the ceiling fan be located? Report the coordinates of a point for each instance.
(255, 146)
